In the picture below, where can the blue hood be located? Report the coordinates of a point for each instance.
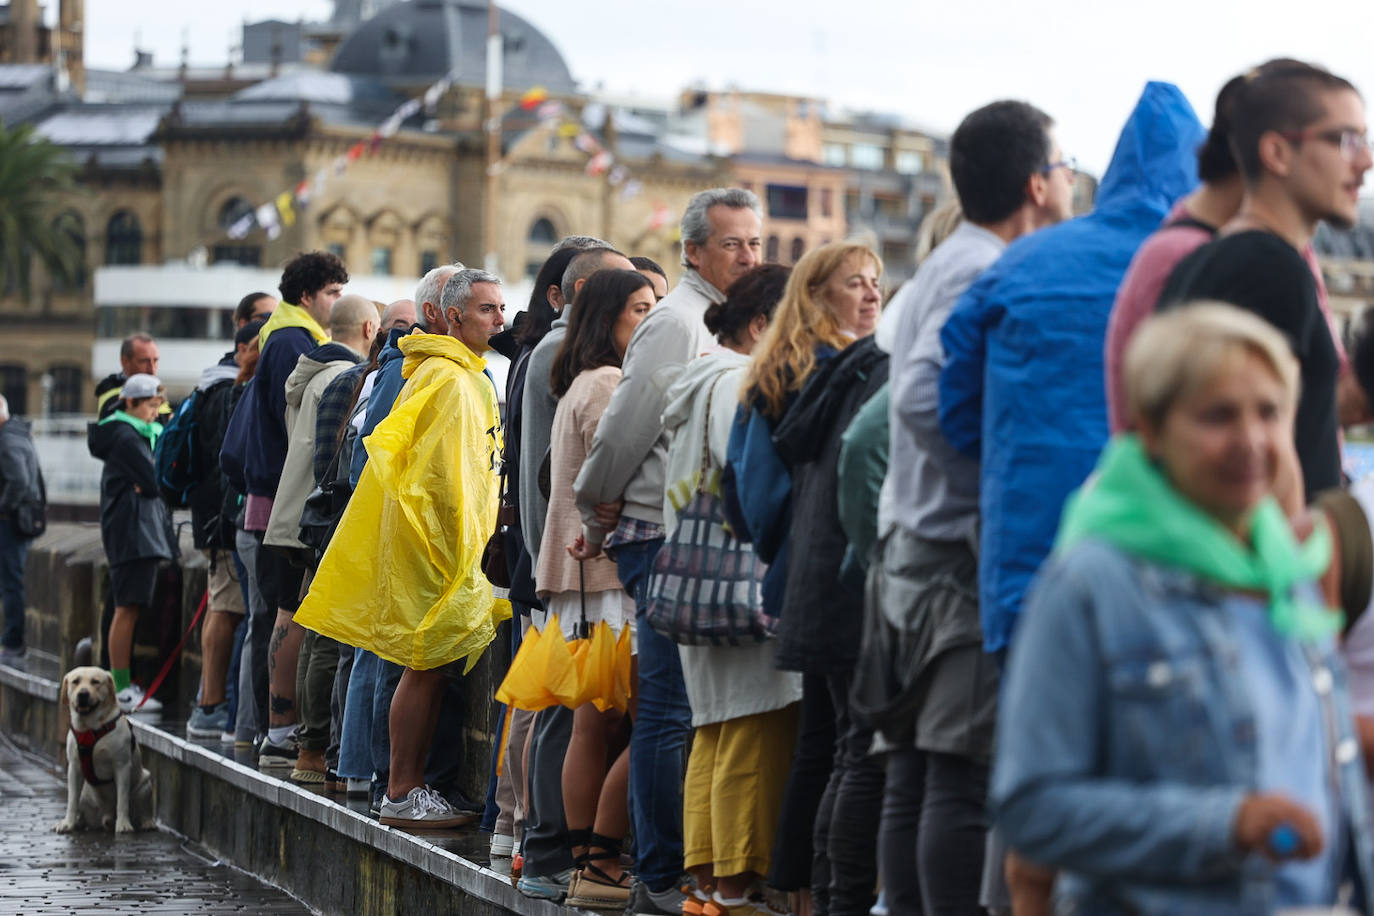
(1155, 162)
(392, 348)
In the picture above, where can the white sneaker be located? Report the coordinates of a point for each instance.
(502, 846)
(422, 808)
(359, 788)
(130, 697)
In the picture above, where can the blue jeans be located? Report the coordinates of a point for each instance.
(658, 743)
(13, 550)
(231, 677)
(355, 737)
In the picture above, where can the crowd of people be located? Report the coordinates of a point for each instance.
(1037, 587)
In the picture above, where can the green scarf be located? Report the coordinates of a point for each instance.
(146, 428)
(1130, 504)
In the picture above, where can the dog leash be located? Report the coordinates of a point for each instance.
(167, 665)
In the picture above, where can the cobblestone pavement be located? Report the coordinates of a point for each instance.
(147, 873)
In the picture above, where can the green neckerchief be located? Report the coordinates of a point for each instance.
(1131, 505)
(146, 428)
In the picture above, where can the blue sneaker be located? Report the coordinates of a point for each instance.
(545, 887)
(210, 724)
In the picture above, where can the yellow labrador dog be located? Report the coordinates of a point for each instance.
(106, 782)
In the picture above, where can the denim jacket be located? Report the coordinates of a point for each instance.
(1127, 742)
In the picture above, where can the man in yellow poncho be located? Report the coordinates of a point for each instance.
(402, 576)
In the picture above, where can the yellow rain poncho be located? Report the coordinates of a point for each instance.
(402, 576)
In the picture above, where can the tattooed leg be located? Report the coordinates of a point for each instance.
(282, 654)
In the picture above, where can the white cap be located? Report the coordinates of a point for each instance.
(140, 385)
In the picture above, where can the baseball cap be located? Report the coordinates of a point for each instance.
(141, 385)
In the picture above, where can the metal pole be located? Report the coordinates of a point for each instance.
(493, 129)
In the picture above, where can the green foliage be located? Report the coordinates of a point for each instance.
(33, 174)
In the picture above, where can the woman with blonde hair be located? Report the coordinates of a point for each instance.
(1176, 732)
(813, 368)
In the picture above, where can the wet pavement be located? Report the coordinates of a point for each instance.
(95, 873)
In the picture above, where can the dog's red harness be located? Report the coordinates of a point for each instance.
(85, 748)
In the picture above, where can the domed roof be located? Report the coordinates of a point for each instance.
(422, 40)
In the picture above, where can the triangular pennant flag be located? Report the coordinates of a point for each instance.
(285, 208)
(242, 226)
(267, 216)
(631, 189)
(533, 98)
(618, 175)
(599, 163)
(587, 143)
(355, 151)
(661, 217)
(569, 129)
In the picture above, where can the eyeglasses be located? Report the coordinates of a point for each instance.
(1353, 143)
(1069, 163)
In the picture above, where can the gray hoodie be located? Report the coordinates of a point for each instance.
(626, 460)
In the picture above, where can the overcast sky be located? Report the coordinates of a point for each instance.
(931, 61)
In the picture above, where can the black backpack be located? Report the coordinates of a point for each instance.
(174, 459)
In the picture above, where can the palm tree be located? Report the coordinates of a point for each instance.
(33, 172)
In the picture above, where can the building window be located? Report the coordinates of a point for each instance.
(70, 222)
(428, 261)
(244, 255)
(124, 239)
(827, 202)
(798, 249)
(336, 249)
(910, 162)
(866, 156)
(14, 385)
(67, 384)
(836, 154)
(542, 232)
(381, 261)
(770, 251)
(169, 322)
(786, 201)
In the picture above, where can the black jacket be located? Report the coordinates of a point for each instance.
(210, 530)
(21, 481)
(822, 619)
(135, 524)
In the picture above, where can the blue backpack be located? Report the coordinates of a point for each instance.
(174, 459)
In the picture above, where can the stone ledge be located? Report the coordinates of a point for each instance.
(332, 858)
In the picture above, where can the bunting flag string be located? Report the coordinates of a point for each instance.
(554, 115)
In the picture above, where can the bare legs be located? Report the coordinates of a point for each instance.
(282, 655)
(122, 636)
(216, 645)
(414, 716)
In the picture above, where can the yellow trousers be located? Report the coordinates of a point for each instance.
(733, 792)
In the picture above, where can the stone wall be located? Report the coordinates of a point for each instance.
(67, 590)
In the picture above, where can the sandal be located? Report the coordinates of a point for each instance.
(591, 887)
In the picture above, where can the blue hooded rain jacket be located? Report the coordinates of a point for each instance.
(1023, 351)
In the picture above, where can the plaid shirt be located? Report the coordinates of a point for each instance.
(331, 414)
(632, 531)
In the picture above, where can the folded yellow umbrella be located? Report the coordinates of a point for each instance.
(542, 671)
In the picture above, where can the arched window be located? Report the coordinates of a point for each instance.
(71, 223)
(798, 248)
(542, 232)
(124, 239)
(770, 252)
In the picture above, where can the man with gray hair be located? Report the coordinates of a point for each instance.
(620, 492)
(22, 510)
(372, 681)
(446, 614)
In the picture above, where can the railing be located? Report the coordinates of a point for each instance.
(72, 476)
